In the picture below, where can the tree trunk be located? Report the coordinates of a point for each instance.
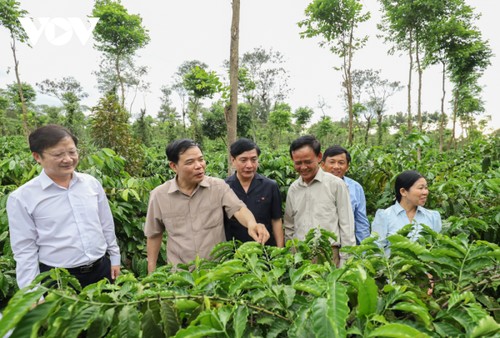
(24, 109)
(455, 112)
(348, 81)
(443, 115)
(120, 80)
(409, 84)
(419, 99)
(379, 127)
(231, 113)
(367, 130)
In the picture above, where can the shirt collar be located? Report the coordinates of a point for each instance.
(347, 180)
(46, 181)
(319, 177)
(174, 187)
(398, 208)
(233, 177)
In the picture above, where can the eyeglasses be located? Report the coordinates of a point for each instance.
(59, 156)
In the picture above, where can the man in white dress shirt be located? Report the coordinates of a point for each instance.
(61, 218)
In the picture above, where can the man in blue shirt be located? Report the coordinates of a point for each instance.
(260, 194)
(336, 161)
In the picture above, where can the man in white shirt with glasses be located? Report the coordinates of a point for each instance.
(61, 218)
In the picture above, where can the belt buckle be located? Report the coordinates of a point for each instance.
(86, 268)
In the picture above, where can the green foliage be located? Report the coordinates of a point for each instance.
(142, 128)
(335, 21)
(128, 197)
(265, 81)
(328, 132)
(110, 129)
(10, 13)
(16, 168)
(244, 122)
(202, 83)
(278, 166)
(463, 183)
(69, 91)
(214, 122)
(280, 120)
(253, 290)
(29, 93)
(302, 117)
(261, 291)
(117, 32)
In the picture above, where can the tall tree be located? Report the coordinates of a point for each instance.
(70, 93)
(408, 25)
(266, 80)
(132, 78)
(302, 117)
(336, 21)
(110, 129)
(167, 109)
(10, 12)
(200, 84)
(379, 91)
(359, 79)
(231, 112)
(179, 85)
(118, 35)
(168, 120)
(465, 74)
(142, 128)
(457, 44)
(280, 120)
(372, 93)
(454, 25)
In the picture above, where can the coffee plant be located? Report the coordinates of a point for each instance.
(250, 290)
(444, 285)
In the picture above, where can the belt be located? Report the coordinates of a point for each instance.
(81, 269)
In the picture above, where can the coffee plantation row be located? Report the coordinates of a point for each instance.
(250, 290)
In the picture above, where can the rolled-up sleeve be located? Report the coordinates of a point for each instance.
(230, 200)
(154, 223)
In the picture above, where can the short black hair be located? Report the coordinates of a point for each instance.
(175, 149)
(336, 150)
(306, 140)
(240, 146)
(48, 136)
(405, 180)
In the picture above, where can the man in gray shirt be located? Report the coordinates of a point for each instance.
(317, 198)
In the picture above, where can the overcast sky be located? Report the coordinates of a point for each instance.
(199, 29)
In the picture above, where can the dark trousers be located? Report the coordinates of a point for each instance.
(100, 269)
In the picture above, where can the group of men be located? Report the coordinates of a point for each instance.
(62, 218)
